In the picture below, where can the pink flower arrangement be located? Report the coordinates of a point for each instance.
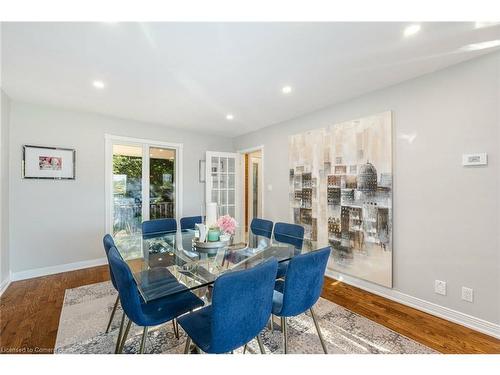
(227, 224)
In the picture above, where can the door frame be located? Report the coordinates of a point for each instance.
(242, 181)
(109, 140)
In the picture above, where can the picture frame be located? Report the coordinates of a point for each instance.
(48, 163)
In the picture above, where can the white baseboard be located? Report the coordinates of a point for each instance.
(5, 284)
(44, 271)
(454, 316)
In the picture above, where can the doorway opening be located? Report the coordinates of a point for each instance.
(252, 186)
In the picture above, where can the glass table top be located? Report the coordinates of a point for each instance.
(167, 263)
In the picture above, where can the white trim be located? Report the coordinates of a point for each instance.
(5, 284)
(145, 144)
(454, 316)
(44, 271)
(263, 180)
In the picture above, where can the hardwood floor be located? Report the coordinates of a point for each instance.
(30, 309)
(434, 332)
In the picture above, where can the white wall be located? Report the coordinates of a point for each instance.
(4, 191)
(446, 217)
(61, 222)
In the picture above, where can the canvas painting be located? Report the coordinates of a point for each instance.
(341, 192)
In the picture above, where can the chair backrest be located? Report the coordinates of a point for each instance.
(304, 281)
(127, 288)
(189, 222)
(292, 234)
(159, 226)
(241, 305)
(261, 227)
(108, 244)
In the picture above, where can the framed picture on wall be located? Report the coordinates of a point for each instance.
(49, 163)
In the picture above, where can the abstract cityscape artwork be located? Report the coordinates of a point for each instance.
(341, 192)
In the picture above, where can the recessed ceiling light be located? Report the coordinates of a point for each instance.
(411, 30)
(98, 84)
(286, 89)
(229, 117)
(482, 45)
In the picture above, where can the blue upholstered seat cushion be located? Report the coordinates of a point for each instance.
(167, 308)
(198, 326)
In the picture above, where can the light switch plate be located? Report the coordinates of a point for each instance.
(440, 287)
(474, 159)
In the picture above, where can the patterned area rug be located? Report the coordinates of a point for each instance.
(86, 311)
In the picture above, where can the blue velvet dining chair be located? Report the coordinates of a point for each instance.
(148, 314)
(150, 227)
(241, 306)
(108, 244)
(261, 227)
(301, 289)
(291, 234)
(190, 222)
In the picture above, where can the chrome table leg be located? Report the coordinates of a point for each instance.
(319, 331)
(112, 313)
(143, 340)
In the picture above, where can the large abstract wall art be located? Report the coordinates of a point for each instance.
(341, 192)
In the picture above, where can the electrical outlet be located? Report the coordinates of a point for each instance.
(467, 294)
(440, 287)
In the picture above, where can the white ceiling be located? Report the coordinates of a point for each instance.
(190, 75)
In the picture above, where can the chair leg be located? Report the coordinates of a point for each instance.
(319, 331)
(271, 323)
(285, 339)
(119, 339)
(124, 338)
(176, 328)
(188, 345)
(143, 340)
(261, 344)
(112, 313)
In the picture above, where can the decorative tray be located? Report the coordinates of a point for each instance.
(210, 245)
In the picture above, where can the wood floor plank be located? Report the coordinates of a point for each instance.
(30, 310)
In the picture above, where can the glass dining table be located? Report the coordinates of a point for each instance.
(168, 263)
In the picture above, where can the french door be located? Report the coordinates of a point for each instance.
(143, 182)
(222, 182)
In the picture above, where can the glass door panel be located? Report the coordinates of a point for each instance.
(127, 189)
(161, 183)
(222, 186)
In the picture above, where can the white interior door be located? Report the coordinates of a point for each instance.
(223, 182)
